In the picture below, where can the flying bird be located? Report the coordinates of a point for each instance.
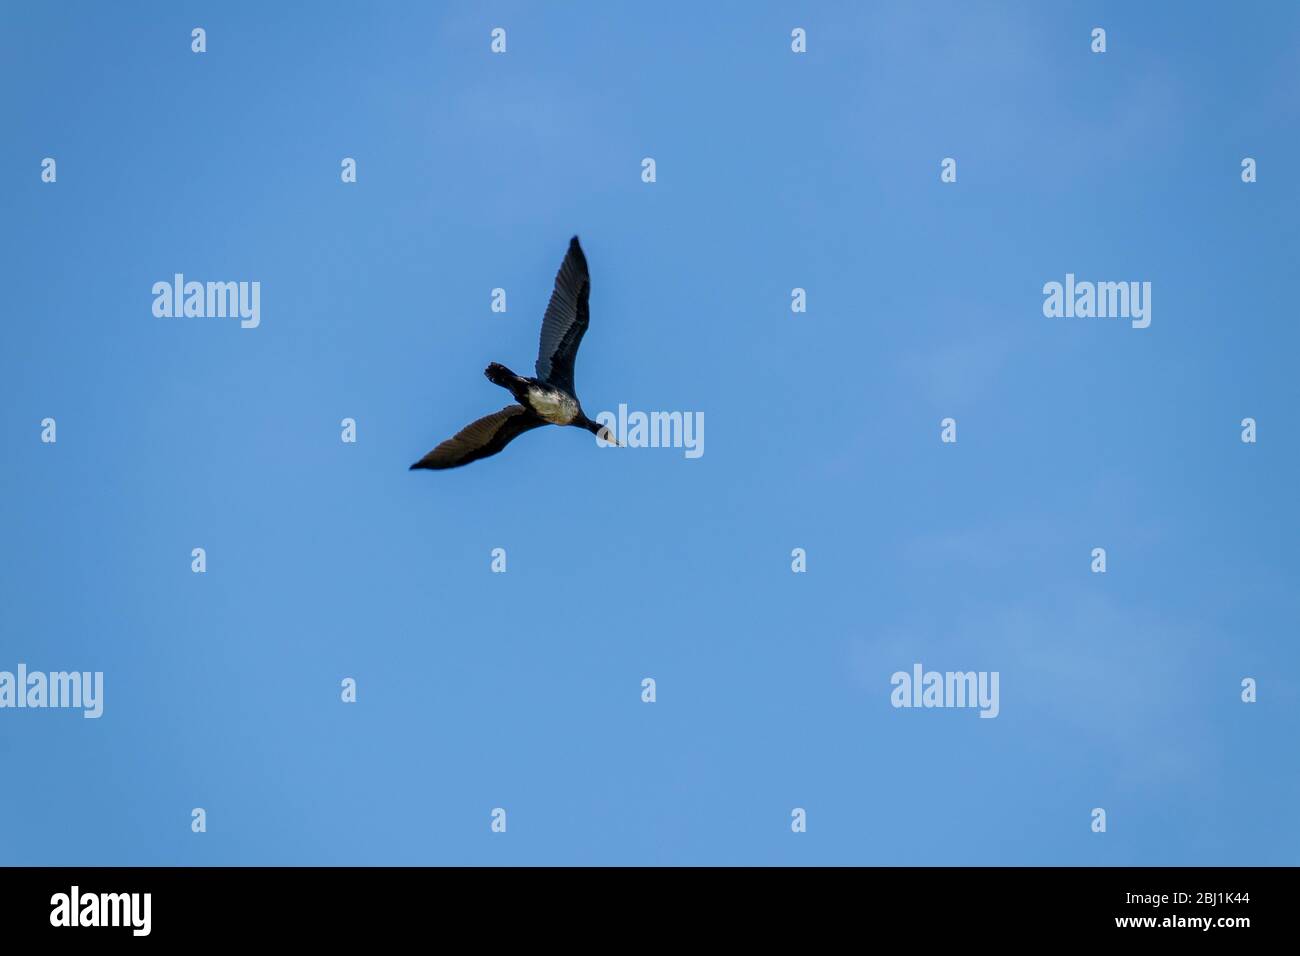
(549, 398)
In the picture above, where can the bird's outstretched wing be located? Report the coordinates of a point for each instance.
(482, 438)
(566, 320)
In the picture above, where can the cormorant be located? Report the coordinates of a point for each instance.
(547, 399)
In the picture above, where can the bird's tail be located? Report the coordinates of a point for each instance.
(498, 374)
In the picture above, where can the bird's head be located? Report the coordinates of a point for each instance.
(602, 432)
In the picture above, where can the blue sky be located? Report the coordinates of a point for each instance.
(522, 690)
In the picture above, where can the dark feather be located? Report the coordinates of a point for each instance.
(566, 320)
(482, 438)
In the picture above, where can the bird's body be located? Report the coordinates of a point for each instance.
(549, 398)
(553, 405)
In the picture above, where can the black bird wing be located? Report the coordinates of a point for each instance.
(482, 438)
(566, 320)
